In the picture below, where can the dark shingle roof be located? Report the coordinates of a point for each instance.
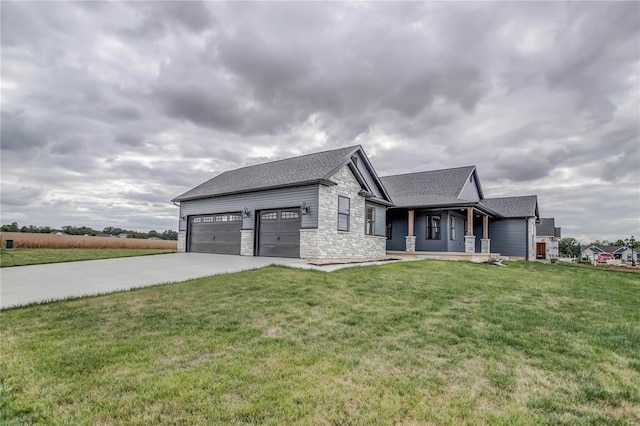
(432, 188)
(525, 206)
(546, 227)
(311, 168)
(605, 249)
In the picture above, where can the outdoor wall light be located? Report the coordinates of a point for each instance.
(304, 208)
(245, 212)
(183, 218)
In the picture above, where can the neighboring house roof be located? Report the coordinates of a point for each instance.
(513, 207)
(557, 232)
(604, 249)
(432, 188)
(303, 170)
(546, 227)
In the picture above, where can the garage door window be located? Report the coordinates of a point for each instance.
(235, 218)
(269, 216)
(290, 215)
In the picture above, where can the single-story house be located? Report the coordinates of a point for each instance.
(325, 205)
(547, 239)
(618, 252)
(332, 204)
(446, 211)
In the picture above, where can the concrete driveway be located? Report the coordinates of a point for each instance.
(22, 285)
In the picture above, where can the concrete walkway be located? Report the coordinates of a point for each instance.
(21, 285)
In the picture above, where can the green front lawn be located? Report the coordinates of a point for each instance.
(22, 257)
(406, 343)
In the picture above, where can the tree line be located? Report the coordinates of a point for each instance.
(85, 230)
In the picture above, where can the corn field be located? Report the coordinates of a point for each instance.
(51, 241)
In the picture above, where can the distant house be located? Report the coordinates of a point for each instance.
(618, 252)
(547, 239)
(624, 254)
(123, 235)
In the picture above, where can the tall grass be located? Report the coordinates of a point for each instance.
(27, 240)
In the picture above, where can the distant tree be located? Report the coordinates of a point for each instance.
(83, 230)
(10, 228)
(569, 247)
(619, 243)
(636, 243)
(169, 235)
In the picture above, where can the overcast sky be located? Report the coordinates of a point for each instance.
(110, 110)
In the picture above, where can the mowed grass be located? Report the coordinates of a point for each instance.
(22, 257)
(406, 343)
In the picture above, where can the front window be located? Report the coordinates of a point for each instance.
(343, 213)
(453, 227)
(433, 227)
(370, 223)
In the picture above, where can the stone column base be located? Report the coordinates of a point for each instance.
(246, 242)
(485, 245)
(182, 241)
(469, 243)
(410, 243)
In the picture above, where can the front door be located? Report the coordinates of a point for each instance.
(541, 251)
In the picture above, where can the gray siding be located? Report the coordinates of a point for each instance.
(381, 218)
(398, 220)
(420, 229)
(470, 191)
(508, 237)
(399, 229)
(270, 199)
(364, 171)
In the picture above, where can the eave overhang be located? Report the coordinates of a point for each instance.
(454, 206)
(326, 182)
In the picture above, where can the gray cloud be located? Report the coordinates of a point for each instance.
(111, 108)
(19, 134)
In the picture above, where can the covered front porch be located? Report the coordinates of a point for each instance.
(445, 232)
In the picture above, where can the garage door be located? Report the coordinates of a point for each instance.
(215, 233)
(279, 233)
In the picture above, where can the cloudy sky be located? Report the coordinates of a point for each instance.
(109, 110)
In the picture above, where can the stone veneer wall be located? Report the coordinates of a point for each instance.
(246, 242)
(182, 241)
(326, 241)
(531, 228)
